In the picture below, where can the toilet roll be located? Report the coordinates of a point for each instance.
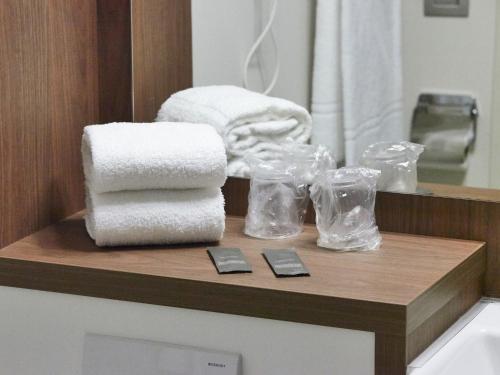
(446, 146)
(447, 132)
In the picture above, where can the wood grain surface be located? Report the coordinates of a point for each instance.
(66, 64)
(390, 354)
(114, 37)
(446, 217)
(395, 292)
(161, 52)
(433, 215)
(48, 81)
(144, 56)
(410, 265)
(462, 192)
(422, 336)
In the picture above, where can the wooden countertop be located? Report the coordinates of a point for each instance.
(373, 291)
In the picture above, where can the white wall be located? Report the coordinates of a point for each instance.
(43, 334)
(440, 54)
(455, 55)
(224, 31)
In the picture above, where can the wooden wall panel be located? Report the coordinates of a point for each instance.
(73, 93)
(65, 64)
(115, 53)
(161, 53)
(20, 41)
(48, 81)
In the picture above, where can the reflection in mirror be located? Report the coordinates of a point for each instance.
(366, 71)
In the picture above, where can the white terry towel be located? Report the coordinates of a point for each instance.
(248, 121)
(326, 98)
(357, 84)
(131, 156)
(155, 217)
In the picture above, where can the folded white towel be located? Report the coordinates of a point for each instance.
(131, 156)
(155, 217)
(244, 118)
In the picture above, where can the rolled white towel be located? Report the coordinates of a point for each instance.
(244, 118)
(131, 156)
(152, 217)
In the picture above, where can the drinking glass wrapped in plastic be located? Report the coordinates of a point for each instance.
(397, 163)
(308, 161)
(344, 200)
(277, 201)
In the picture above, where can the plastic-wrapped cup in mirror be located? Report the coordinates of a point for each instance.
(277, 201)
(308, 160)
(397, 162)
(344, 200)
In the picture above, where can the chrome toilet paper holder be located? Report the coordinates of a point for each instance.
(447, 125)
(446, 105)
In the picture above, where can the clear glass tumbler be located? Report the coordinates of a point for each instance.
(344, 200)
(397, 163)
(277, 202)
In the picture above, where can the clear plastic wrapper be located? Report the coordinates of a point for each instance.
(397, 163)
(277, 201)
(308, 161)
(344, 200)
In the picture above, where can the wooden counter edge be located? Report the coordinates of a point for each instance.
(204, 295)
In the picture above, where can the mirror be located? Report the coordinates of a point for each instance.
(360, 68)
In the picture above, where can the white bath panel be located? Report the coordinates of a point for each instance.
(471, 346)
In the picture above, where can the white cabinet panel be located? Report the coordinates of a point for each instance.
(43, 333)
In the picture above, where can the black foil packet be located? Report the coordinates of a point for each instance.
(229, 260)
(285, 263)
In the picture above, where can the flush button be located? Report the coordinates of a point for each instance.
(109, 355)
(446, 8)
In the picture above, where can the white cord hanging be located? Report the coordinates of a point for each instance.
(269, 27)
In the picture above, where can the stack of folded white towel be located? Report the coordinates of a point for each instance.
(153, 183)
(249, 122)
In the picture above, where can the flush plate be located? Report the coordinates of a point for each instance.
(446, 8)
(110, 355)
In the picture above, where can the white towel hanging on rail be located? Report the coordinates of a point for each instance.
(357, 77)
